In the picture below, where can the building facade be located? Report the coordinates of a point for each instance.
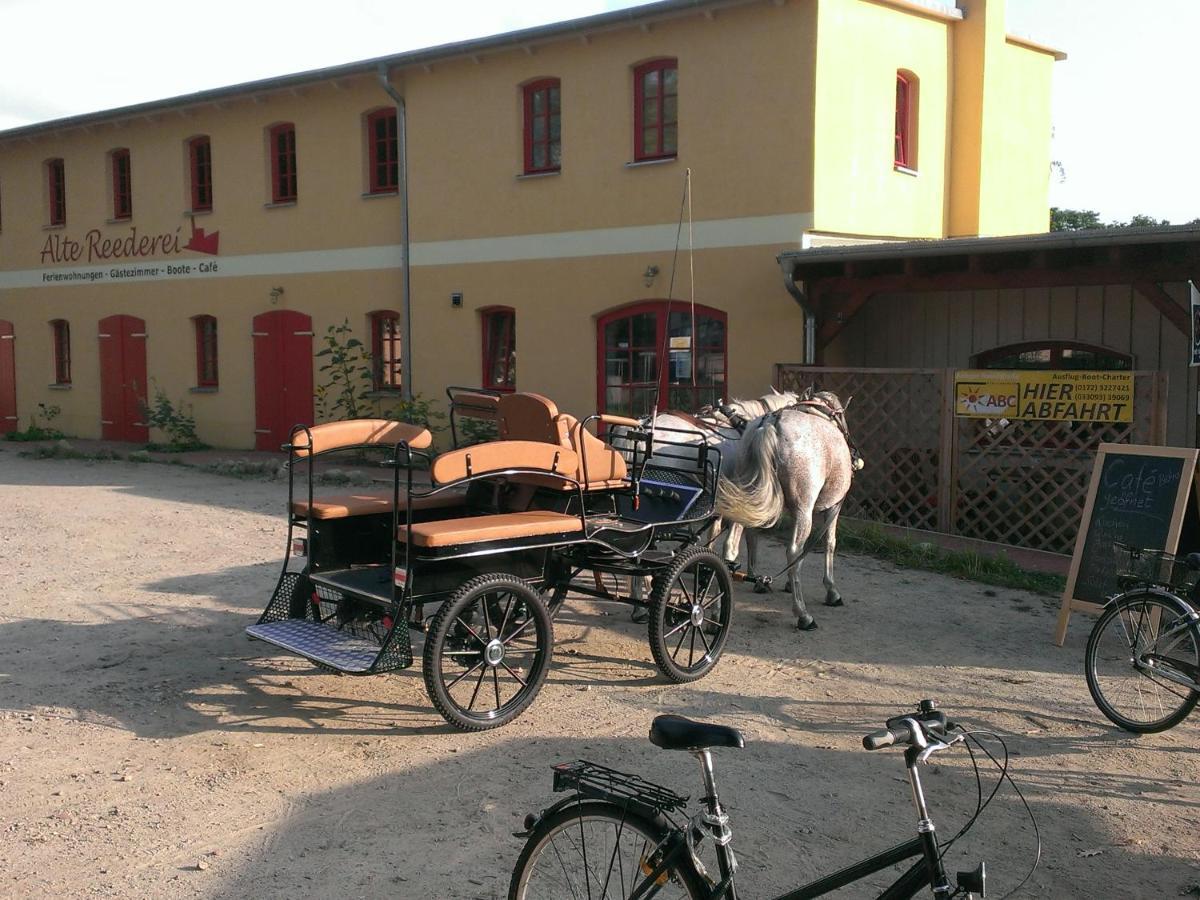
(204, 246)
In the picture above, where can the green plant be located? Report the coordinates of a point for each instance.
(347, 374)
(176, 422)
(417, 411)
(42, 431)
(475, 431)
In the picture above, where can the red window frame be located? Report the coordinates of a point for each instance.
(383, 152)
(670, 392)
(543, 126)
(122, 184)
(1051, 355)
(61, 334)
(206, 351)
(282, 141)
(387, 365)
(56, 176)
(906, 88)
(200, 163)
(499, 348)
(655, 120)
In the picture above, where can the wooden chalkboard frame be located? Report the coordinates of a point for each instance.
(1187, 483)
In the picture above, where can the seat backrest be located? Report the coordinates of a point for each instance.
(358, 433)
(604, 464)
(528, 417)
(497, 456)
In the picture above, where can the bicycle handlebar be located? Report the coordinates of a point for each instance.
(899, 729)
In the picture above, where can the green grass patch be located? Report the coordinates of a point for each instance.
(872, 540)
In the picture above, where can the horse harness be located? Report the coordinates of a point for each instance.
(835, 414)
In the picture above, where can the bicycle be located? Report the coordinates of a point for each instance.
(621, 836)
(1142, 662)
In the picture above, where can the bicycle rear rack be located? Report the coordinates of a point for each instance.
(599, 782)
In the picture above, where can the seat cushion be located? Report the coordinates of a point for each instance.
(366, 503)
(360, 433)
(503, 526)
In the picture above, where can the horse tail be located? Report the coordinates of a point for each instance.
(752, 495)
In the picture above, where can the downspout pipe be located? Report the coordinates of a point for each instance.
(406, 296)
(810, 316)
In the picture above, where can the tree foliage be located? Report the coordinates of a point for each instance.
(1080, 219)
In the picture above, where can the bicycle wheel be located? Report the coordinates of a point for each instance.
(1143, 661)
(597, 849)
(691, 608)
(487, 652)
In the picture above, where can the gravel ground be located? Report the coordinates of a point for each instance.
(147, 749)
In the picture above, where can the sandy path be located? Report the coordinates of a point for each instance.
(147, 749)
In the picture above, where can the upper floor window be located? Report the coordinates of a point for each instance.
(56, 182)
(385, 350)
(206, 350)
(1053, 355)
(122, 184)
(655, 112)
(499, 348)
(282, 140)
(60, 332)
(383, 156)
(543, 128)
(200, 163)
(906, 120)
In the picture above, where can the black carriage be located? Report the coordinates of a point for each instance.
(481, 559)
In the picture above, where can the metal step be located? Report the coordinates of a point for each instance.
(323, 644)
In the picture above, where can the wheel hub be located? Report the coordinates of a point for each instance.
(697, 615)
(493, 653)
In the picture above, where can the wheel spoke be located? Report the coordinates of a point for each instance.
(464, 675)
(472, 631)
(496, 682)
(478, 685)
(520, 680)
(675, 655)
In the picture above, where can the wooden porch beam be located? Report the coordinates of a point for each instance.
(836, 315)
(1165, 304)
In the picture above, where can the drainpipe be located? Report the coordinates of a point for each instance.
(810, 317)
(406, 297)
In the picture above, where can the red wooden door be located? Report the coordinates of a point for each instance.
(8, 379)
(283, 376)
(123, 379)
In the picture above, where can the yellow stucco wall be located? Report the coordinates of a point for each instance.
(858, 191)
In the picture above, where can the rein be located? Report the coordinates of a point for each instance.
(835, 415)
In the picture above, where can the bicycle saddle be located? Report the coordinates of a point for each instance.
(678, 733)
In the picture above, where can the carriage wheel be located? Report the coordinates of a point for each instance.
(691, 608)
(487, 652)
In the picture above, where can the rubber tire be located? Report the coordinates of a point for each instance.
(1107, 619)
(659, 628)
(684, 877)
(435, 641)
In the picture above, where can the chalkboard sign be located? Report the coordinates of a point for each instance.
(1138, 496)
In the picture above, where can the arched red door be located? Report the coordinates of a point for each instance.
(283, 376)
(123, 379)
(8, 378)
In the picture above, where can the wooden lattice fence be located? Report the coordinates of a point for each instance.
(1015, 482)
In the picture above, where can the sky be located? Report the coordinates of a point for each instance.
(1126, 128)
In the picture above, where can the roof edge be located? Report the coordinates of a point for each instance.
(1037, 46)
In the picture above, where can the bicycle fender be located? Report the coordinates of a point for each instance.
(532, 820)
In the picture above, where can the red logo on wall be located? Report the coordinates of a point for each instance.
(201, 242)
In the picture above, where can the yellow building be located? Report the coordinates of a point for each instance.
(204, 245)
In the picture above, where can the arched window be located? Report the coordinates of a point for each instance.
(655, 110)
(206, 351)
(906, 119)
(631, 343)
(1053, 355)
(543, 126)
(499, 348)
(385, 350)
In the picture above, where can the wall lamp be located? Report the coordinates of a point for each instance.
(276, 293)
(650, 274)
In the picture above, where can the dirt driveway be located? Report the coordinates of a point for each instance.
(147, 749)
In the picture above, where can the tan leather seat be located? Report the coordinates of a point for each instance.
(504, 526)
(531, 417)
(496, 456)
(360, 432)
(366, 503)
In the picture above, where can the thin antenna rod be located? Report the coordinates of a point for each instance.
(684, 206)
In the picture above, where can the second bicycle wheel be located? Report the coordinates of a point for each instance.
(597, 849)
(1142, 662)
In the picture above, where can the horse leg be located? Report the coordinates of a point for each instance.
(800, 533)
(832, 597)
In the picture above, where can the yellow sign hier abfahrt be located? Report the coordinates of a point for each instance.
(1072, 396)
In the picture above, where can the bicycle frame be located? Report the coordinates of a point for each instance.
(1167, 641)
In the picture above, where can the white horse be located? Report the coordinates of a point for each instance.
(721, 427)
(800, 458)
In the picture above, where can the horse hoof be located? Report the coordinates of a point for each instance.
(806, 623)
(835, 600)
(761, 588)
(639, 616)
